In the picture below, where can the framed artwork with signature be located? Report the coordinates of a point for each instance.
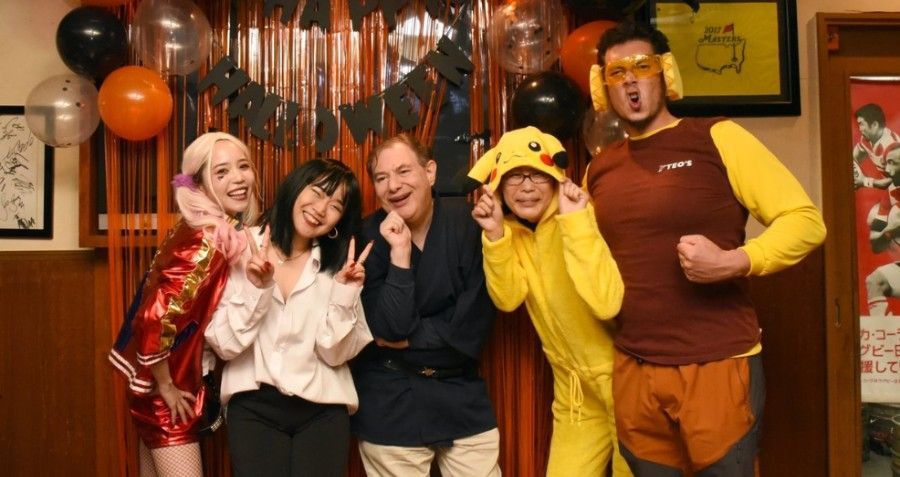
(737, 58)
(26, 179)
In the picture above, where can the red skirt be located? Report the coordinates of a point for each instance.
(153, 421)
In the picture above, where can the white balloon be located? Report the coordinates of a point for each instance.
(171, 36)
(62, 110)
(601, 128)
(525, 36)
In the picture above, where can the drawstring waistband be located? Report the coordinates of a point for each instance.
(576, 394)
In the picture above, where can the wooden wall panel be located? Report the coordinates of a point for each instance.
(791, 312)
(107, 442)
(48, 358)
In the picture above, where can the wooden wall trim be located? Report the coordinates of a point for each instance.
(838, 59)
(88, 235)
(39, 255)
(867, 19)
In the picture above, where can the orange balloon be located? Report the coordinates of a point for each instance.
(579, 52)
(135, 103)
(103, 3)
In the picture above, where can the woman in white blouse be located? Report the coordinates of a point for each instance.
(288, 321)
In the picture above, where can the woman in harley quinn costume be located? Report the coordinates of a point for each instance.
(160, 346)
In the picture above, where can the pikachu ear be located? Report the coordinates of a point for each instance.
(561, 159)
(467, 184)
(674, 86)
(598, 89)
(556, 149)
(484, 165)
(552, 142)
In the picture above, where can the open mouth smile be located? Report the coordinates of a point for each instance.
(400, 200)
(311, 219)
(240, 194)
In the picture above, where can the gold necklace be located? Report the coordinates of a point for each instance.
(282, 259)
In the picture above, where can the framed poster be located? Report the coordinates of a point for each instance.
(26, 179)
(737, 58)
(875, 160)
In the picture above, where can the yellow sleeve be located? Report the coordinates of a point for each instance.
(772, 196)
(590, 263)
(584, 177)
(503, 273)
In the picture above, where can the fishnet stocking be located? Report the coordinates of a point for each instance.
(146, 460)
(172, 461)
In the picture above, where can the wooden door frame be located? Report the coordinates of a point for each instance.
(842, 324)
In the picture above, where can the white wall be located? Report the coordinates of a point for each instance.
(28, 56)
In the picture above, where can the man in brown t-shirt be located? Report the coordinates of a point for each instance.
(672, 201)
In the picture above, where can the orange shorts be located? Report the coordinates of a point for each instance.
(687, 417)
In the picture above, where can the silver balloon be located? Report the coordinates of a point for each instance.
(525, 36)
(62, 110)
(171, 36)
(599, 129)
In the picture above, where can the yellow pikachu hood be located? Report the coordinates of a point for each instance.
(528, 147)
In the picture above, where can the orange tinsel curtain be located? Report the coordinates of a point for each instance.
(518, 376)
(313, 67)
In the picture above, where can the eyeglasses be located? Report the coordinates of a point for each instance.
(641, 66)
(518, 178)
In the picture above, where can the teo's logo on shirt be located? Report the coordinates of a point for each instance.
(675, 165)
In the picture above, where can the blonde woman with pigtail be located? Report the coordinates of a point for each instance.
(160, 347)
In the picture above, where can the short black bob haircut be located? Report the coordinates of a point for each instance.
(628, 30)
(329, 175)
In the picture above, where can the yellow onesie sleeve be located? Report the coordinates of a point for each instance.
(590, 263)
(505, 277)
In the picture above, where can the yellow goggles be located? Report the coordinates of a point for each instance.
(641, 66)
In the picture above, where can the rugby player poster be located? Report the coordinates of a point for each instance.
(875, 120)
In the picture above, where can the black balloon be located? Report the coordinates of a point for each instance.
(551, 102)
(584, 11)
(91, 41)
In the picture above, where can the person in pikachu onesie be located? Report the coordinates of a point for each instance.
(542, 246)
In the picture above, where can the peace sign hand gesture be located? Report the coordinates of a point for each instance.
(260, 271)
(353, 272)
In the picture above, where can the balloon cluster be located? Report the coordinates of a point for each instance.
(527, 37)
(171, 37)
(578, 54)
